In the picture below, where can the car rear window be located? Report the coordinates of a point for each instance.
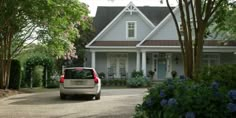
(79, 74)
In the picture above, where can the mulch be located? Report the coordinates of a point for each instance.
(8, 92)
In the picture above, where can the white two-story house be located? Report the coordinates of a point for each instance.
(144, 39)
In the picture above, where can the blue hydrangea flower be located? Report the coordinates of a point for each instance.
(215, 85)
(163, 102)
(172, 102)
(162, 93)
(189, 115)
(232, 94)
(231, 107)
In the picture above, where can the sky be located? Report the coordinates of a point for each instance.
(94, 3)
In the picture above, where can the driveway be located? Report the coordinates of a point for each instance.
(114, 103)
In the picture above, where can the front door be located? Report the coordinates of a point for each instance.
(118, 62)
(161, 68)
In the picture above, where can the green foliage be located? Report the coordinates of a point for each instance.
(33, 61)
(151, 74)
(176, 98)
(224, 74)
(137, 82)
(102, 75)
(86, 35)
(225, 22)
(37, 76)
(136, 74)
(52, 83)
(113, 82)
(15, 75)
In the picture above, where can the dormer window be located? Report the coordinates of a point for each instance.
(131, 29)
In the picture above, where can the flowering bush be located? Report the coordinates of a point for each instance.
(180, 98)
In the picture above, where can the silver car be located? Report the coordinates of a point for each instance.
(80, 81)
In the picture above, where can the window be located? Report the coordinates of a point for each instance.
(211, 59)
(78, 74)
(131, 29)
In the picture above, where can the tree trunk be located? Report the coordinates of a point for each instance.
(198, 49)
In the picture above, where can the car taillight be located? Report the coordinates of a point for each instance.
(62, 79)
(95, 79)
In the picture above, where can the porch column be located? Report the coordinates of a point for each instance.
(169, 64)
(138, 61)
(93, 59)
(144, 63)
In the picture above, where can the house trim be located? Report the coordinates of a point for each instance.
(116, 18)
(119, 47)
(114, 50)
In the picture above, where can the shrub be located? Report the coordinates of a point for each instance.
(37, 76)
(151, 74)
(52, 83)
(138, 82)
(15, 75)
(102, 75)
(177, 98)
(224, 74)
(136, 74)
(113, 82)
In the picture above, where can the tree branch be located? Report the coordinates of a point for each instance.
(177, 27)
(216, 7)
(28, 34)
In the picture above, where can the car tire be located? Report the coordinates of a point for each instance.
(62, 96)
(98, 96)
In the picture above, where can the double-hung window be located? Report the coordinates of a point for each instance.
(211, 59)
(131, 30)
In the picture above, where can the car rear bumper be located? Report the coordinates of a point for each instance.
(79, 91)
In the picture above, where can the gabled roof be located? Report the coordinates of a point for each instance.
(105, 14)
(159, 26)
(129, 8)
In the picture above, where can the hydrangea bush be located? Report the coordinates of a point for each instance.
(180, 98)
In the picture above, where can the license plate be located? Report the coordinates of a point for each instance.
(77, 83)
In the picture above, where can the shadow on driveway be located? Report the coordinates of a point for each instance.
(46, 98)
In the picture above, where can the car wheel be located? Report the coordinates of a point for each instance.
(62, 96)
(98, 96)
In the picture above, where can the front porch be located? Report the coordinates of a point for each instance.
(121, 64)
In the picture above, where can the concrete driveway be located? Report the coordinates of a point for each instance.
(114, 103)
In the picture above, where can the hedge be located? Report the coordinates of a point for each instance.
(15, 75)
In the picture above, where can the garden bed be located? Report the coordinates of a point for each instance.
(8, 92)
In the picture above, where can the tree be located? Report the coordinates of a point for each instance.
(196, 16)
(50, 21)
(86, 35)
(226, 26)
